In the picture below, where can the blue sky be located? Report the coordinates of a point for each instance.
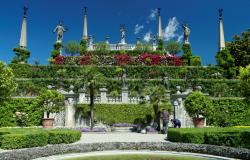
(105, 17)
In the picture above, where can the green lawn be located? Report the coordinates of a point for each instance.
(140, 157)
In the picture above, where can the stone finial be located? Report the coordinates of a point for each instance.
(159, 11)
(198, 88)
(178, 89)
(220, 13)
(50, 86)
(25, 10)
(85, 10)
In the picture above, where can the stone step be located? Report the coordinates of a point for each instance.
(122, 129)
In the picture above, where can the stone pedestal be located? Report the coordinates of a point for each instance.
(69, 112)
(82, 96)
(103, 92)
(125, 95)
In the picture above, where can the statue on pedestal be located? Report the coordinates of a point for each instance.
(122, 30)
(166, 82)
(187, 31)
(124, 79)
(60, 29)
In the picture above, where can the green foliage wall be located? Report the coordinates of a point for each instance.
(28, 71)
(122, 113)
(28, 106)
(229, 112)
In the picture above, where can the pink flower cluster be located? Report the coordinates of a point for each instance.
(123, 59)
(85, 59)
(151, 59)
(60, 60)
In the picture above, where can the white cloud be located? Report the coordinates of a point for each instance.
(180, 38)
(171, 29)
(138, 28)
(147, 36)
(153, 14)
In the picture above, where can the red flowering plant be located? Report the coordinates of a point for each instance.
(151, 59)
(174, 60)
(85, 59)
(122, 59)
(59, 60)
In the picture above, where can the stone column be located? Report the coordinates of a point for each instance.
(82, 95)
(69, 112)
(222, 44)
(103, 92)
(159, 24)
(85, 25)
(23, 38)
(125, 95)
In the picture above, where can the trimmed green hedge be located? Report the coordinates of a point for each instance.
(234, 137)
(229, 88)
(229, 112)
(28, 71)
(63, 136)
(28, 140)
(28, 106)
(28, 137)
(119, 113)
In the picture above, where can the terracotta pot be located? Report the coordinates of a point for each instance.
(199, 122)
(48, 122)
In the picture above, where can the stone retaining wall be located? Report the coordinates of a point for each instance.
(32, 153)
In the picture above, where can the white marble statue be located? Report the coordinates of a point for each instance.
(186, 33)
(60, 29)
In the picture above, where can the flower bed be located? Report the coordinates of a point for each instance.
(120, 59)
(94, 130)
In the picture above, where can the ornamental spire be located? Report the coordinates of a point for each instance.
(221, 31)
(159, 24)
(85, 25)
(23, 37)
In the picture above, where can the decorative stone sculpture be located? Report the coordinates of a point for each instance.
(187, 31)
(60, 29)
(166, 82)
(124, 79)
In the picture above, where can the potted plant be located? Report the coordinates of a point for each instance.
(51, 102)
(198, 107)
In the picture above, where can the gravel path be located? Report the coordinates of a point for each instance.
(121, 137)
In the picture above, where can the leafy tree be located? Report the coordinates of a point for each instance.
(158, 100)
(239, 48)
(7, 82)
(72, 48)
(226, 61)
(160, 45)
(187, 53)
(173, 47)
(55, 52)
(143, 47)
(102, 48)
(51, 101)
(198, 104)
(93, 78)
(84, 47)
(245, 81)
(22, 55)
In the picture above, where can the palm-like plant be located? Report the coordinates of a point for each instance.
(93, 78)
(158, 100)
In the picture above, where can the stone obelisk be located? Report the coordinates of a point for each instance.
(85, 25)
(159, 24)
(222, 44)
(23, 38)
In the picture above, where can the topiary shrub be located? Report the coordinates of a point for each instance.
(63, 136)
(17, 141)
(197, 104)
